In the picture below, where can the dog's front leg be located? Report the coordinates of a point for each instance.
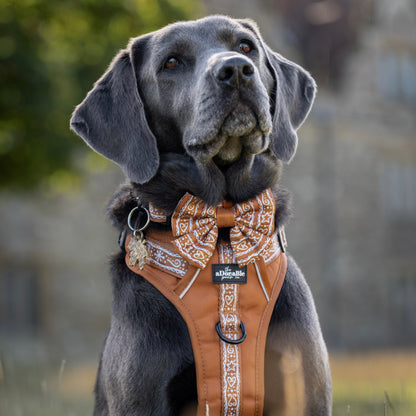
(297, 374)
(146, 366)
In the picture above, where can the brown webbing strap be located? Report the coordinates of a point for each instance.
(230, 378)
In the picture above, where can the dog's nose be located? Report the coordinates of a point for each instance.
(234, 71)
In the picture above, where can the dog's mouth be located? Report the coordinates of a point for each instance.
(238, 130)
(242, 132)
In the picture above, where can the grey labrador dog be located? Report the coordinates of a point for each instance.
(204, 107)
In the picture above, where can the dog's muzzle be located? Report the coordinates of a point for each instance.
(240, 121)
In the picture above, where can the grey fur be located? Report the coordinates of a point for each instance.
(217, 125)
(108, 121)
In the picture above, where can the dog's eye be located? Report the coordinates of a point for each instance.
(245, 46)
(171, 63)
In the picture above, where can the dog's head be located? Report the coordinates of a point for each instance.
(211, 89)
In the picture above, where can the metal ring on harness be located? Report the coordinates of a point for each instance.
(131, 215)
(232, 341)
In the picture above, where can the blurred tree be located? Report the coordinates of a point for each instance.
(50, 54)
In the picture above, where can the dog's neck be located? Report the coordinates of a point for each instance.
(125, 199)
(180, 173)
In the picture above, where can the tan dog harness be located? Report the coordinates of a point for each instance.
(225, 292)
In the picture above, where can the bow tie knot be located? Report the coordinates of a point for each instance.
(195, 224)
(225, 216)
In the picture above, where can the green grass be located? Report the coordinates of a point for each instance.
(374, 384)
(366, 384)
(34, 390)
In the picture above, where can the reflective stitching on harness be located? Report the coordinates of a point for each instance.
(190, 284)
(261, 282)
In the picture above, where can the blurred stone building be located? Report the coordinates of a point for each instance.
(354, 175)
(353, 181)
(54, 280)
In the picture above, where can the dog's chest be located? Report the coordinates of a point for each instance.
(227, 309)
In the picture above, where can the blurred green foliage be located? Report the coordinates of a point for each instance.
(51, 52)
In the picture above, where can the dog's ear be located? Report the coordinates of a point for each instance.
(111, 119)
(293, 96)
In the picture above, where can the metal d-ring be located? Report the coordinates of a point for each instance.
(232, 341)
(136, 230)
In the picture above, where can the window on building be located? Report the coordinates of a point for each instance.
(18, 301)
(398, 189)
(396, 75)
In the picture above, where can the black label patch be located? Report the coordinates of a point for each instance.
(229, 273)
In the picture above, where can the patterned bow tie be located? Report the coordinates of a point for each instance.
(195, 224)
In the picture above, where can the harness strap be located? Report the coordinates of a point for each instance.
(230, 376)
